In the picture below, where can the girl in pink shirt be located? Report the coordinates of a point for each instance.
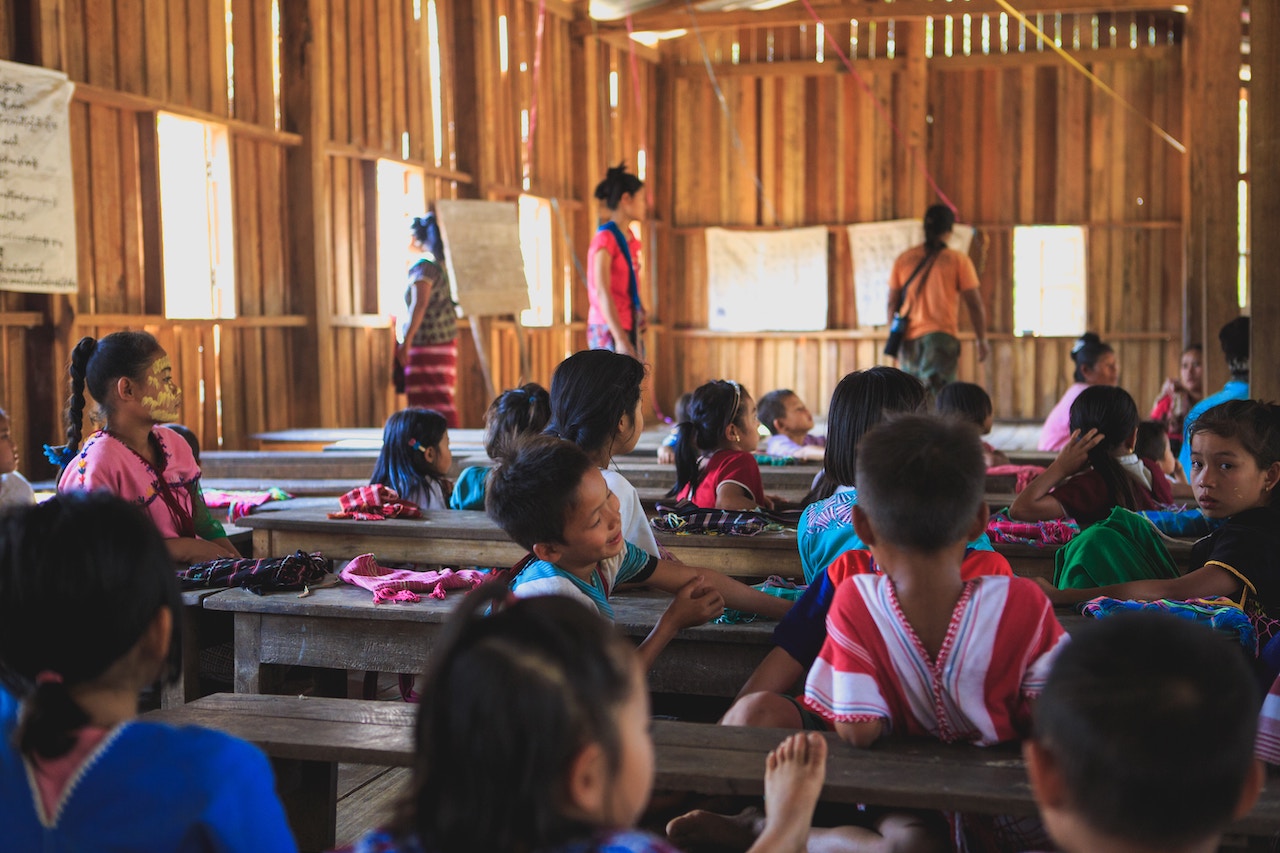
(130, 377)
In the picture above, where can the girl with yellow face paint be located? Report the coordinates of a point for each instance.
(131, 378)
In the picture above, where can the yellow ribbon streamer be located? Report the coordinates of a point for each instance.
(1075, 63)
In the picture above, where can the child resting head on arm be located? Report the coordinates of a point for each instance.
(551, 499)
(789, 421)
(1142, 739)
(89, 616)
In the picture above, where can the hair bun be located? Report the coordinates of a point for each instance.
(1083, 341)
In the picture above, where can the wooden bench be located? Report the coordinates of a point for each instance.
(341, 628)
(307, 738)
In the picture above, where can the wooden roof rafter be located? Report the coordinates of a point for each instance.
(674, 15)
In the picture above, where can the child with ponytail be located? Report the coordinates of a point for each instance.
(714, 465)
(89, 616)
(130, 377)
(1097, 469)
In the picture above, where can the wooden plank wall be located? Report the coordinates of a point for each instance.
(132, 58)
(1012, 138)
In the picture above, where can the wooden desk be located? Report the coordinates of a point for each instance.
(463, 538)
(307, 737)
(341, 628)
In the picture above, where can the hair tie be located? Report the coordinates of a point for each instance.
(47, 676)
(61, 455)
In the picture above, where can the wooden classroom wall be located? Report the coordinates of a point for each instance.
(1012, 139)
(133, 58)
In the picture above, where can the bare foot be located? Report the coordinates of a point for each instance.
(793, 777)
(730, 832)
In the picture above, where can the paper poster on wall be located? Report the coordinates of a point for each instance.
(873, 247)
(37, 196)
(760, 281)
(482, 250)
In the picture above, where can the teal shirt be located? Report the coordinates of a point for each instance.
(468, 491)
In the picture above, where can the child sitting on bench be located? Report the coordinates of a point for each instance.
(552, 499)
(1143, 738)
(89, 616)
(534, 735)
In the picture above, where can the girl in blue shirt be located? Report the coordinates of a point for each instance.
(89, 612)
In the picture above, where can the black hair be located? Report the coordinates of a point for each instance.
(965, 400)
(426, 230)
(511, 700)
(530, 493)
(513, 413)
(188, 436)
(712, 408)
(772, 406)
(617, 183)
(1112, 412)
(921, 480)
(1234, 338)
(1253, 423)
(591, 392)
(860, 401)
(96, 364)
(938, 222)
(1086, 351)
(82, 576)
(1153, 438)
(401, 464)
(1151, 721)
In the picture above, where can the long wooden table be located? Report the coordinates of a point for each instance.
(461, 538)
(307, 738)
(341, 628)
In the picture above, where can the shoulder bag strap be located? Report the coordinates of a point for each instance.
(636, 306)
(928, 259)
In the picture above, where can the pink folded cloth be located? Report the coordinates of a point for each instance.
(1024, 473)
(241, 503)
(403, 584)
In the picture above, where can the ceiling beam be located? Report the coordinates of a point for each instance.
(674, 16)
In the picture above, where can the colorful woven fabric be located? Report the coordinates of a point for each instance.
(766, 459)
(388, 584)
(773, 585)
(1220, 614)
(374, 503)
(274, 574)
(240, 503)
(1023, 474)
(1038, 534)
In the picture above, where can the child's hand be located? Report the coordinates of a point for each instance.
(1074, 455)
(694, 604)
(1050, 591)
(772, 501)
(666, 455)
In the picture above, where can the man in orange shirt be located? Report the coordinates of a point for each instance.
(936, 277)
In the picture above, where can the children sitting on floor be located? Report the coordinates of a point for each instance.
(972, 403)
(14, 488)
(415, 458)
(1142, 739)
(917, 650)
(714, 465)
(1097, 468)
(535, 735)
(89, 616)
(519, 411)
(789, 422)
(552, 499)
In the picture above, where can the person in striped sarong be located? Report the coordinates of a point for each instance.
(428, 352)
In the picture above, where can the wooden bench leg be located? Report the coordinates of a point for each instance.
(309, 792)
(187, 687)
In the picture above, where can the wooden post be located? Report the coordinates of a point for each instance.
(1264, 198)
(306, 110)
(1212, 71)
(912, 190)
